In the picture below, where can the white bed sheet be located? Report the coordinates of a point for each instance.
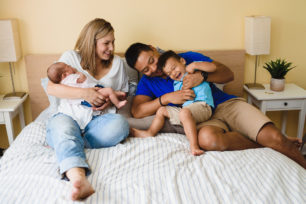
(151, 170)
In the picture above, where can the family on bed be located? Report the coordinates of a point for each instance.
(212, 119)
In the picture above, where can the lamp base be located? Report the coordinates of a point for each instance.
(16, 95)
(254, 86)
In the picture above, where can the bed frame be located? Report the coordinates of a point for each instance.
(37, 64)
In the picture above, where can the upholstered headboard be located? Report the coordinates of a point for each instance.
(37, 64)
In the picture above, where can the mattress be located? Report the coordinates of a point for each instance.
(152, 170)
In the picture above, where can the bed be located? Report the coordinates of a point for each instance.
(151, 170)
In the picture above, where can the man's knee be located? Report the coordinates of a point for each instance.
(270, 136)
(211, 138)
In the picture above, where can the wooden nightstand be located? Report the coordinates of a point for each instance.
(292, 98)
(8, 110)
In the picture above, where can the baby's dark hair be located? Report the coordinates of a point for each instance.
(164, 57)
(55, 72)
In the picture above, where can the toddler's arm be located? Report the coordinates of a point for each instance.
(202, 66)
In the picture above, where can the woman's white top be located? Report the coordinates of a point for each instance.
(116, 78)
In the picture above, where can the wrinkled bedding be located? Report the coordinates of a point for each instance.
(152, 170)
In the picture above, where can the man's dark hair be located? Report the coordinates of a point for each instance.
(164, 57)
(132, 53)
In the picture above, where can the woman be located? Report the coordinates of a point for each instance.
(93, 56)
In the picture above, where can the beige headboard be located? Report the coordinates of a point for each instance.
(37, 64)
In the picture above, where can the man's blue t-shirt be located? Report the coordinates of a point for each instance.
(155, 87)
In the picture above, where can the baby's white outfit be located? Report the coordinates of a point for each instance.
(72, 107)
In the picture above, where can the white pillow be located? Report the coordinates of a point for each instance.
(133, 78)
(54, 101)
(220, 86)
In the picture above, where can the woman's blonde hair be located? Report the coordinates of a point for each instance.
(86, 43)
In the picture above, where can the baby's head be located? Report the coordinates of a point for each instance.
(172, 65)
(58, 71)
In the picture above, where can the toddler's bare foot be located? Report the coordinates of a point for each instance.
(121, 104)
(140, 133)
(196, 151)
(81, 188)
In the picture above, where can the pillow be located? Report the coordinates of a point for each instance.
(133, 78)
(220, 86)
(54, 102)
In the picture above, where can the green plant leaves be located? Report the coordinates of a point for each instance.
(278, 68)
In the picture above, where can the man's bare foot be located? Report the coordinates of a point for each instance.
(196, 151)
(140, 133)
(81, 188)
(295, 140)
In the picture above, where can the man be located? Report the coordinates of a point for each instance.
(155, 90)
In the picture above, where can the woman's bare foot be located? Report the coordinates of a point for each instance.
(196, 151)
(81, 188)
(140, 133)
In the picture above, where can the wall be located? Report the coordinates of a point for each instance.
(52, 26)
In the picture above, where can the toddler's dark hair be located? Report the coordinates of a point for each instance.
(164, 57)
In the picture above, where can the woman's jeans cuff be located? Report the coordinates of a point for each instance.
(74, 162)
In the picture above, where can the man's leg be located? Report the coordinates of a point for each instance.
(270, 136)
(214, 138)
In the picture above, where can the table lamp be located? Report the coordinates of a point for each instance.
(257, 41)
(10, 50)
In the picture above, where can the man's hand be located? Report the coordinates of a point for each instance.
(178, 97)
(192, 80)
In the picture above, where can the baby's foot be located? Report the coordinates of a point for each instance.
(196, 151)
(81, 188)
(140, 133)
(121, 104)
(121, 94)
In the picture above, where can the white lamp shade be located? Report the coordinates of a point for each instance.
(9, 41)
(257, 35)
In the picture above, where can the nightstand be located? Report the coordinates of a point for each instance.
(8, 110)
(292, 98)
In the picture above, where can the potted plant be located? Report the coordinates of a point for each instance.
(278, 69)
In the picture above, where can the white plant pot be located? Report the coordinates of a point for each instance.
(277, 84)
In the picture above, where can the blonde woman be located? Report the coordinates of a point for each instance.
(93, 55)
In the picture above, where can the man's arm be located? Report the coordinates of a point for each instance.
(143, 105)
(221, 75)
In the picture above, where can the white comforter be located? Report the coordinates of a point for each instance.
(153, 170)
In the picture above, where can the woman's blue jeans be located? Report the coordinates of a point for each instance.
(68, 141)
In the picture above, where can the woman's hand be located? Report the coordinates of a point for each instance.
(92, 96)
